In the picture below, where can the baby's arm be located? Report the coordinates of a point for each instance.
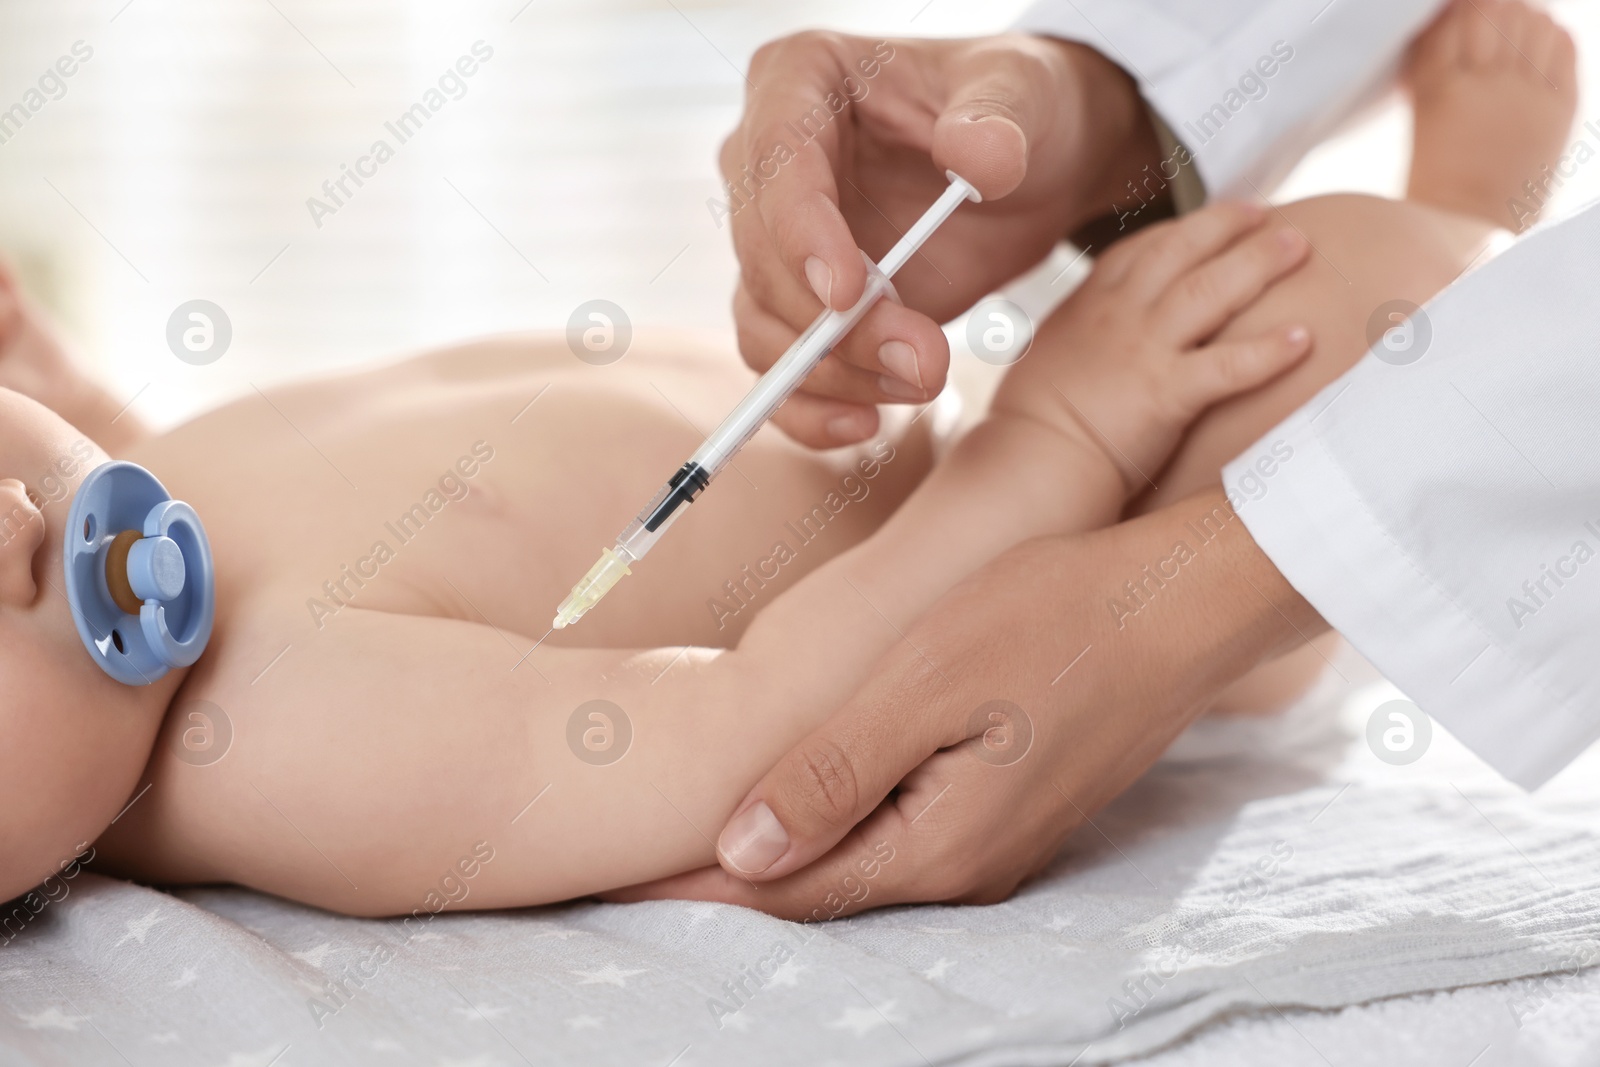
(377, 756)
(35, 362)
(1114, 379)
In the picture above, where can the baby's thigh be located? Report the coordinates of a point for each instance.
(1367, 252)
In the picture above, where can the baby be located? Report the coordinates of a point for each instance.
(382, 701)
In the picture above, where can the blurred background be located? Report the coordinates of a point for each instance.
(577, 165)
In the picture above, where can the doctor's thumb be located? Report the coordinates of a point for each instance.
(820, 790)
(995, 109)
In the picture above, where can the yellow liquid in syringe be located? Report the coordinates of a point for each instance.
(608, 570)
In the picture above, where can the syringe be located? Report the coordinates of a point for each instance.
(764, 398)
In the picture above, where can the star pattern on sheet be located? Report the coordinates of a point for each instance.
(940, 930)
(736, 1020)
(560, 935)
(1158, 930)
(787, 973)
(861, 1021)
(187, 978)
(939, 969)
(610, 974)
(701, 910)
(51, 1019)
(584, 1022)
(1059, 923)
(139, 929)
(385, 1044)
(314, 956)
(166, 1037)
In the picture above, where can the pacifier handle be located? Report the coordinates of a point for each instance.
(139, 573)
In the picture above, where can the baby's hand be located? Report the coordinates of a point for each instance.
(1129, 360)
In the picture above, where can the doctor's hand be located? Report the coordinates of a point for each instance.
(1017, 707)
(844, 142)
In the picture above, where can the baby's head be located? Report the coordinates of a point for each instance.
(73, 741)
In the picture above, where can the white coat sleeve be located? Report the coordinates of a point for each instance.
(1247, 86)
(1440, 503)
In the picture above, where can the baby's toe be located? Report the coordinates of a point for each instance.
(1552, 56)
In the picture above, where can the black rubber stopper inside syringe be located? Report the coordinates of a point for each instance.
(685, 486)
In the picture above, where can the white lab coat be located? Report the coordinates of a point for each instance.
(1442, 513)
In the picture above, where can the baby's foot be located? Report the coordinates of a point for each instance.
(1493, 86)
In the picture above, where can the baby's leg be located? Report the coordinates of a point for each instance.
(1493, 94)
(1367, 253)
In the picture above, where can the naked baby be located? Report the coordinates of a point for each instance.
(389, 546)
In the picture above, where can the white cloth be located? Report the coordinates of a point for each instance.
(1444, 514)
(1420, 497)
(1202, 66)
(1208, 890)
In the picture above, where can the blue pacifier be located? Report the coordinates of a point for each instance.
(139, 574)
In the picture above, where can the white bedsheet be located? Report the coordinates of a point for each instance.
(1239, 892)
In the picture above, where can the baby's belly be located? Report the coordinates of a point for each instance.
(481, 483)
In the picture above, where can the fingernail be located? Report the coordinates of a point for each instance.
(845, 428)
(754, 840)
(894, 387)
(900, 359)
(821, 279)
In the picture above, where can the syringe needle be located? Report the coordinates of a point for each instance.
(764, 398)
